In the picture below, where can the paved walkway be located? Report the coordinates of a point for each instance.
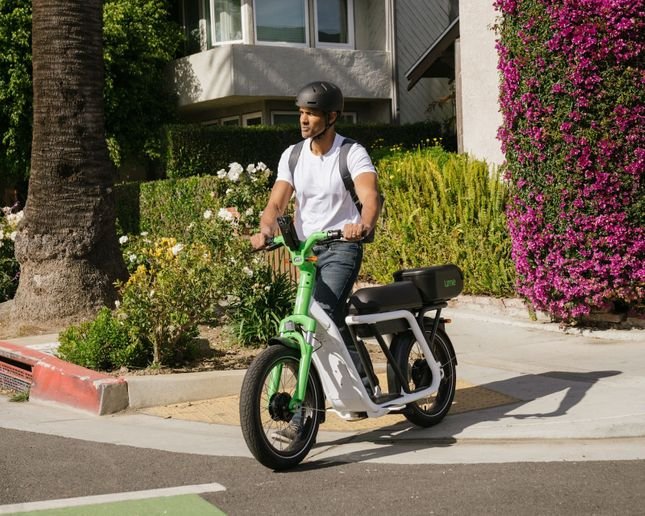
(527, 392)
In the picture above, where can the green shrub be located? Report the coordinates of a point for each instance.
(439, 208)
(170, 207)
(195, 150)
(172, 288)
(104, 343)
(166, 297)
(263, 299)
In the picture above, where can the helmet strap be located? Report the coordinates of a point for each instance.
(327, 126)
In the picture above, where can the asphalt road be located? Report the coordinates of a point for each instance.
(37, 467)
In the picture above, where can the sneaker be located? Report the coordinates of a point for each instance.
(292, 432)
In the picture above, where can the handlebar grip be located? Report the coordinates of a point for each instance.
(335, 234)
(269, 245)
(272, 246)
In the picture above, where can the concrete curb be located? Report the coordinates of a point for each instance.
(515, 312)
(55, 380)
(166, 389)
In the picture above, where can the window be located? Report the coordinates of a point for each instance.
(293, 118)
(226, 21)
(347, 118)
(285, 118)
(281, 21)
(190, 18)
(334, 21)
(231, 120)
(252, 119)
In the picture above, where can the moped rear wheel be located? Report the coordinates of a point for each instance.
(431, 410)
(264, 409)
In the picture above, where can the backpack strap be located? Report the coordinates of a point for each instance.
(295, 155)
(344, 171)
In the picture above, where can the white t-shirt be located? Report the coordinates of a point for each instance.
(322, 201)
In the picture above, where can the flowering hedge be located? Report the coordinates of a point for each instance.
(9, 267)
(571, 94)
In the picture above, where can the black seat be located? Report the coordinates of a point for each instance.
(402, 295)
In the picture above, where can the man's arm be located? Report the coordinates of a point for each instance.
(366, 187)
(277, 204)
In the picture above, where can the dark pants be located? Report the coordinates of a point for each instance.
(338, 265)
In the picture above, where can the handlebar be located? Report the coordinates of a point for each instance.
(289, 238)
(272, 243)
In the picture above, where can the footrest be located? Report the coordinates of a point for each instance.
(385, 398)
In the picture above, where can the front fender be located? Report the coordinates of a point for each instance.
(284, 341)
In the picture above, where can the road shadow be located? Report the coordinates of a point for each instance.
(402, 437)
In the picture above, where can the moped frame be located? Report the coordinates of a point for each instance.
(310, 330)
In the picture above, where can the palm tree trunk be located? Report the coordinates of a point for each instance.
(67, 246)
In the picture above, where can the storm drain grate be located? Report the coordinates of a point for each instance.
(14, 377)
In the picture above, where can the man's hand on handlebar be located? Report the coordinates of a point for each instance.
(260, 240)
(354, 232)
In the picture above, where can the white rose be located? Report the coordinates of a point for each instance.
(221, 173)
(234, 171)
(176, 249)
(226, 215)
(12, 236)
(247, 271)
(208, 214)
(123, 239)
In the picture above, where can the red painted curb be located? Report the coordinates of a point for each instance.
(55, 380)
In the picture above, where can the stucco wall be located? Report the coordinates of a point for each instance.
(265, 71)
(479, 80)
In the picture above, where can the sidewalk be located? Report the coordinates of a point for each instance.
(522, 384)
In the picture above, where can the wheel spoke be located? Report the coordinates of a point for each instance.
(265, 409)
(431, 409)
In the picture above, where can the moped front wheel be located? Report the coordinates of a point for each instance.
(268, 425)
(430, 410)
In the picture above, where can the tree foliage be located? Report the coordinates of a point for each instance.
(15, 89)
(139, 39)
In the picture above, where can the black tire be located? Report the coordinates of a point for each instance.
(428, 411)
(262, 417)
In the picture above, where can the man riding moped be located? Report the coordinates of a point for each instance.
(319, 358)
(323, 202)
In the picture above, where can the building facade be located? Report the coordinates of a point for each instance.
(247, 59)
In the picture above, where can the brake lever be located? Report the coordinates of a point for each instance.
(333, 235)
(271, 247)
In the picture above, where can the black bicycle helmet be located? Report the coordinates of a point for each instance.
(321, 95)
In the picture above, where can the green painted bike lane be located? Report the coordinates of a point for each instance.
(178, 501)
(182, 505)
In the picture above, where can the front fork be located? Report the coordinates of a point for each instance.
(297, 331)
(305, 345)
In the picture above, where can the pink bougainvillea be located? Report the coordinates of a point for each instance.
(571, 94)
